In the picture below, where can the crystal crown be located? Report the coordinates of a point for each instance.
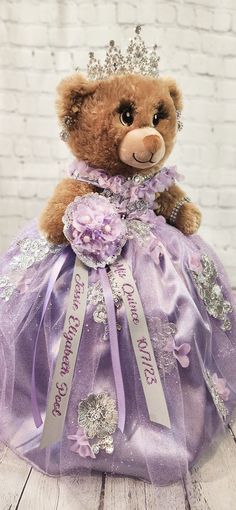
(137, 60)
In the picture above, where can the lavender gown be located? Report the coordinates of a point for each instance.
(189, 311)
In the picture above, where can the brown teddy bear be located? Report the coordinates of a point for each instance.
(119, 348)
(126, 125)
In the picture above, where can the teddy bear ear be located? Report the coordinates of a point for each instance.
(71, 93)
(175, 93)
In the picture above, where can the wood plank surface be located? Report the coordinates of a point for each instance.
(128, 494)
(43, 492)
(213, 482)
(14, 474)
(212, 486)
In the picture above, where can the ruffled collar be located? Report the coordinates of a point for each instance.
(139, 186)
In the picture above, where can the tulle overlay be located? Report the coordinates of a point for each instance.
(195, 354)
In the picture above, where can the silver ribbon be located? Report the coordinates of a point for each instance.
(62, 378)
(149, 374)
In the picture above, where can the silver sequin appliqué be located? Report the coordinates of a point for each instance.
(95, 297)
(6, 288)
(139, 230)
(31, 251)
(216, 397)
(211, 293)
(161, 333)
(97, 415)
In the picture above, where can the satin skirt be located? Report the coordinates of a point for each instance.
(194, 343)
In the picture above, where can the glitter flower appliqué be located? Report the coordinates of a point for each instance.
(98, 417)
(211, 293)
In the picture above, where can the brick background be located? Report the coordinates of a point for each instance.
(43, 40)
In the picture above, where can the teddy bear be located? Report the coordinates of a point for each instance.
(113, 312)
(109, 122)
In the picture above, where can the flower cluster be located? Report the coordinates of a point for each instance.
(97, 422)
(139, 187)
(95, 230)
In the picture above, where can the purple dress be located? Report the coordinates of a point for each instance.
(188, 307)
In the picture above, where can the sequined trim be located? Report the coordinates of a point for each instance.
(211, 293)
(97, 415)
(6, 288)
(216, 397)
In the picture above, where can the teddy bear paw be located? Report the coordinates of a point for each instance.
(188, 219)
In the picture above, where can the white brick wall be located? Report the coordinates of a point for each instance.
(43, 40)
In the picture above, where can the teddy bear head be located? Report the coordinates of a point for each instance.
(124, 124)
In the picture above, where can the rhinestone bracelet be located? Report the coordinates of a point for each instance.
(177, 207)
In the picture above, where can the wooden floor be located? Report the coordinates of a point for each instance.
(212, 487)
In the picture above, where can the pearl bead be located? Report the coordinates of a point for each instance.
(85, 219)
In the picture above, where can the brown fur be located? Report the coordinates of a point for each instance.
(97, 133)
(51, 223)
(188, 218)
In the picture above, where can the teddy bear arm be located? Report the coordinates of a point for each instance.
(188, 218)
(50, 221)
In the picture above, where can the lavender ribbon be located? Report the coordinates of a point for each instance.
(52, 280)
(115, 356)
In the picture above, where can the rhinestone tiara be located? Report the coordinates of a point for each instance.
(137, 60)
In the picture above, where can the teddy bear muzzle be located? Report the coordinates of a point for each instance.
(142, 148)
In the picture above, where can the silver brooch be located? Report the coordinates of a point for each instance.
(98, 416)
(211, 293)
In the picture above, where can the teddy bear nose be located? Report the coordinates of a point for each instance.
(142, 147)
(152, 143)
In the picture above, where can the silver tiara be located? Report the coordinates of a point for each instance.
(137, 60)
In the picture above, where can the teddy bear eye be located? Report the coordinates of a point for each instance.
(160, 114)
(127, 117)
(155, 119)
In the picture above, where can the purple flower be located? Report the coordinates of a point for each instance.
(118, 184)
(180, 352)
(220, 385)
(95, 230)
(146, 194)
(195, 262)
(81, 445)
